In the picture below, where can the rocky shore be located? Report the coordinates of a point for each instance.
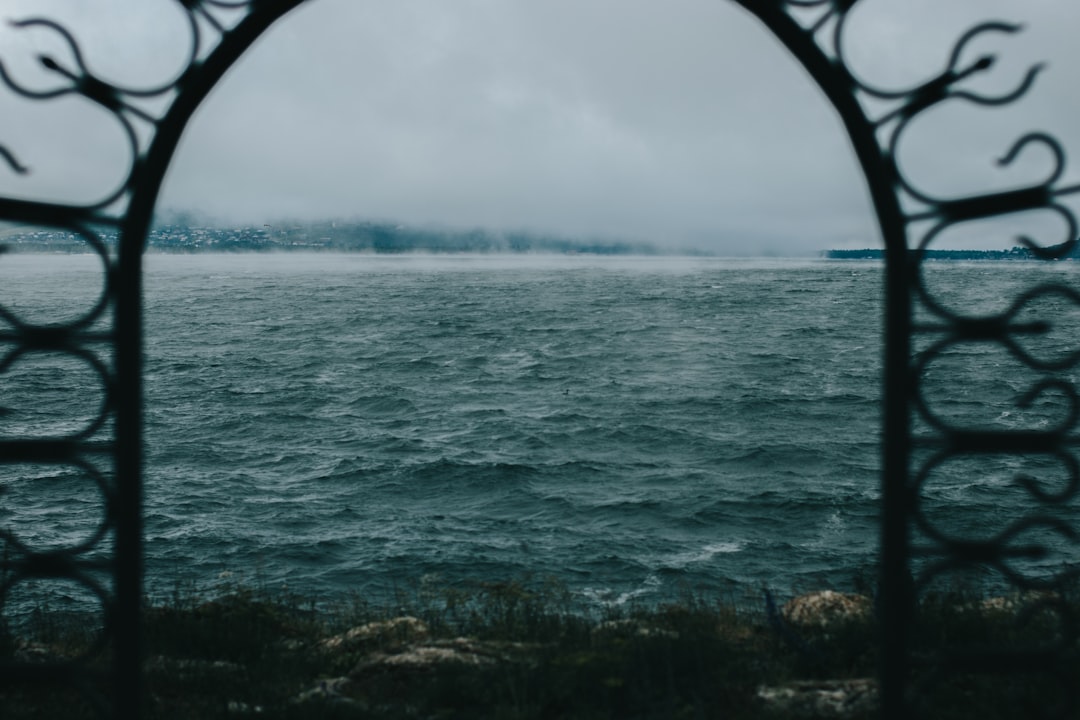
(507, 651)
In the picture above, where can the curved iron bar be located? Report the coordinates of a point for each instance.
(987, 205)
(938, 88)
(979, 550)
(999, 550)
(12, 161)
(1013, 200)
(996, 547)
(1023, 401)
(94, 538)
(225, 3)
(85, 76)
(91, 360)
(836, 82)
(92, 88)
(215, 43)
(59, 566)
(821, 53)
(877, 142)
(1039, 389)
(96, 311)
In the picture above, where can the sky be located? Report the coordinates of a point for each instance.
(677, 122)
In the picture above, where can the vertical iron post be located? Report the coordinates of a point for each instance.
(894, 597)
(127, 643)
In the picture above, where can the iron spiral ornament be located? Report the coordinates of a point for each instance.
(103, 454)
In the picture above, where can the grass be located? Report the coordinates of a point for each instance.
(522, 650)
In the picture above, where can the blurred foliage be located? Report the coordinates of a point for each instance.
(242, 652)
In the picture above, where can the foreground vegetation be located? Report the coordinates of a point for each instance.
(524, 650)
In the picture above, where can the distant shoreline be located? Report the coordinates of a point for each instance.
(387, 239)
(353, 237)
(1016, 253)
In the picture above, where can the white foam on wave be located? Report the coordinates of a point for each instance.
(703, 554)
(834, 526)
(612, 598)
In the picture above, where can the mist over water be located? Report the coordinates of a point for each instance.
(634, 427)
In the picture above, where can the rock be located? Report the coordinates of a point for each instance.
(183, 667)
(235, 707)
(425, 656)
(825, 608)
(294, 644)
(400, 630)
(331, 690)
(33, 653)
(462, 651)
(1014, 603)
(631, 628)
(821, 698)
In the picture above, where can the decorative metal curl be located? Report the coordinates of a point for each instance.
(57, 566)
(903, 208)
(12, 162)
(98, 479)
(1033, 439)
(92, 361)
(106, 336)
(994, 552)
(122, 102)
(26, 332)
(940, 88)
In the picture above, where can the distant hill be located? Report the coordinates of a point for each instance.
(379, 237)
(336, 236)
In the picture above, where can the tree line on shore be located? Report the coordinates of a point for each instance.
(1014, 253)
(188, 235)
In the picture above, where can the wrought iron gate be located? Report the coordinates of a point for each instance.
(920, 329)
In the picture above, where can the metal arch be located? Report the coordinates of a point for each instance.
(839, 85)
(108, 336)
(907, 535)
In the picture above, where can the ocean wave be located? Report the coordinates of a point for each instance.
(630, 432)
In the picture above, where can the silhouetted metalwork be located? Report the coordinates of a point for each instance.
(921, 330)
(108, 338)
(917, 440)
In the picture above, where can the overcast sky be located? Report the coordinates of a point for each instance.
(680, 122)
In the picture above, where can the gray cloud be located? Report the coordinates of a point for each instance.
(679, 121)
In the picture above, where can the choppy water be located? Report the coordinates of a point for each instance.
(632, 426)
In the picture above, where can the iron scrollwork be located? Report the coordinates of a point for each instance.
(104, 566)
(921, 329)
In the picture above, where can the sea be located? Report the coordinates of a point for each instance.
(635, 429)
